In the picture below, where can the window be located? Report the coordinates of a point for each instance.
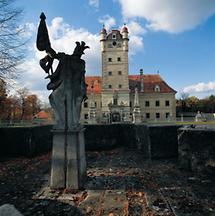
(113, 36)
(130, 104)
(109, 86)
(114, 43)
(167, 115)
(85, 104)
(157, 88)
(147, 103)
(157, 103)
(157, 115)
(147, 115)
(115, 101)
(85, 116)
(95, 104)
(110, 73)
(118, 59)
(167, 103)
(110, 59)
(120, 86)
(119, 72)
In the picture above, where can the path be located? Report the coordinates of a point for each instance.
(119, 182)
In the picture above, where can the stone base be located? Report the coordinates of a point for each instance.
(68, 159)
(136, 117)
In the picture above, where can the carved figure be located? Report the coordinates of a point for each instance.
(67, 81)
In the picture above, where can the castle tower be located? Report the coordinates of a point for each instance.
(114, 53)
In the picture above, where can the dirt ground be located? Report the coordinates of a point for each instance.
(119, 182)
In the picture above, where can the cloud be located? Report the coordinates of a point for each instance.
(135, 37)
(108, 21)
(94, 3)
(171, 16)
(135, 28)
(63, 38)
(200, 87)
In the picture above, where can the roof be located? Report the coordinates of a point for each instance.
(96, 81)
(42, 115)
(103, 30)
(124, 29)
(150, 81)
(114, 31)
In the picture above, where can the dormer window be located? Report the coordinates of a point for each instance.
(113, 36)
(157, 88)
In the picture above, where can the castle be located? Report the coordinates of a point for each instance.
(117, 96)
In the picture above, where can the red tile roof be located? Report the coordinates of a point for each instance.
(96, 81)
(42, 115)
(150, 81)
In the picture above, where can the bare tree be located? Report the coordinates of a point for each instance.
(11, 44)
(23, 93)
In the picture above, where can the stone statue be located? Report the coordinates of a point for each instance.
(68, 87)
(67, 81)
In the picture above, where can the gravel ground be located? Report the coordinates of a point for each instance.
(119, 182)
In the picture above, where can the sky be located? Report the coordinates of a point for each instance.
(175, 38)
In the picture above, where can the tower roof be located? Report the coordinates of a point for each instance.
(124, 29)
(103, 31)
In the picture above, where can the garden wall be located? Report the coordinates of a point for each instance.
(25, 141)
(163, 139)
(152, 141)
(197, 148)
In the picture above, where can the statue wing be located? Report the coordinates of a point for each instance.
(43, 42)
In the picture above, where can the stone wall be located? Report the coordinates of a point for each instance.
(196, 148)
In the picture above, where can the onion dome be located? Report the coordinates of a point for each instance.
(124, 29)
(103, 31)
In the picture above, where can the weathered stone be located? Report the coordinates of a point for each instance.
(115, 203)
(196, 147)
(76, 160)
(69, 91)
(68, 159)
(9, 210)
(92, 204)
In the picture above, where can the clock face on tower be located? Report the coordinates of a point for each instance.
(114, 43)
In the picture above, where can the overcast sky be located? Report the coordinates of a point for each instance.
(176, 37)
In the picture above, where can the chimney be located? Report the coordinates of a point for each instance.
(141, 81)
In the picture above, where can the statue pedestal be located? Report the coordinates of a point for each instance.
(68, 159)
